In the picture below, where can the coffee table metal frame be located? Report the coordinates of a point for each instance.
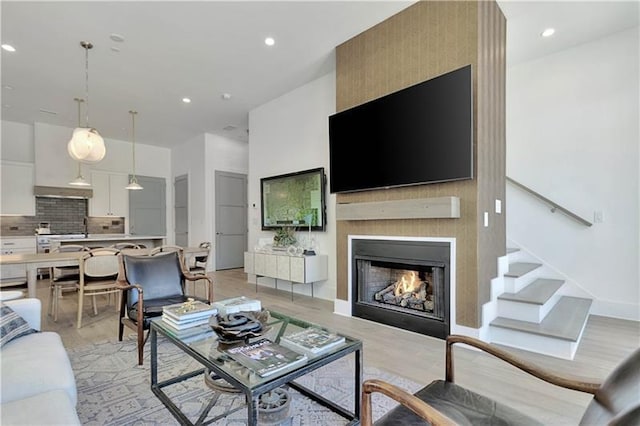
(252, 393)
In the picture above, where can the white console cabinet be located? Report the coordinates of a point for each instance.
(297, 269)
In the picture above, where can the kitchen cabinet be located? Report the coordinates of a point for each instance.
(17, 189)
(110, 198)
(9, 274)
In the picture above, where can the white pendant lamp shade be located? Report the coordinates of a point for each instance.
(86, 145)
(79, 181)
(134, 185)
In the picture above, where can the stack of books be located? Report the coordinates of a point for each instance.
(265, 357)
(312, 340)
(237, 304)
(184, 320)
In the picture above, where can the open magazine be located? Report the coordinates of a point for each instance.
(265, 357)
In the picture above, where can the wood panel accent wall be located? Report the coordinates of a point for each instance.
(423, 41)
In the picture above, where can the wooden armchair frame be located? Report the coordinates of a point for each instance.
(435, 417)
(138, 324)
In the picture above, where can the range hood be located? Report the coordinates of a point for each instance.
(62, 192)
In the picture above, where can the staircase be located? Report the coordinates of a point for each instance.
(532, 312)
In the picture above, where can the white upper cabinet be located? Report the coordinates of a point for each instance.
(110, 198)
(17, 189)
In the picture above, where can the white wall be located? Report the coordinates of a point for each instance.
(225, 155)
(290, 134)
(188, 158)
(573, 136)
(16, 142)
(199, 158)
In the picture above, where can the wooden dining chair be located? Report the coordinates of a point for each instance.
(198, 264)
(122, 246)
(63, 278)
(100, 273)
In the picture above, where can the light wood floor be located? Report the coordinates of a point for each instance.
(420, 358)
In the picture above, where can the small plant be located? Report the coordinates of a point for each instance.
(285, 236)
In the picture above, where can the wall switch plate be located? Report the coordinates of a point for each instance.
(486, 219)
(499, 206)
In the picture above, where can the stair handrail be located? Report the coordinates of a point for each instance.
(554, 206)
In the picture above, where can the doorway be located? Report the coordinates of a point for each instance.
(231, 219)
(181, 210)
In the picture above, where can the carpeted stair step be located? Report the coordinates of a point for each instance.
(532, 303)
(557, 335)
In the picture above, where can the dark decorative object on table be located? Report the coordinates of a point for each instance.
(240, 326)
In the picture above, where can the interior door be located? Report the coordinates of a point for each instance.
(181, 208)
(147, 208)
(231, 220)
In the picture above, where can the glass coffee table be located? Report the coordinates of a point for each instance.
(209, 352)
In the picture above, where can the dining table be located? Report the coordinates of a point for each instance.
(34, 261)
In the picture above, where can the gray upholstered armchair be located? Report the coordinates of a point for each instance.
(616, 401)
(149, 283)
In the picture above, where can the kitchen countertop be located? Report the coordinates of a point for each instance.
(106, 237)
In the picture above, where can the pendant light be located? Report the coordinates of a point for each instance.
(79, 180)
(86, 144)
(133, 182)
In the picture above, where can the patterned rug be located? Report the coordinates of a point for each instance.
(114, 390)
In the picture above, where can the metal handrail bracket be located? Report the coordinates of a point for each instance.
(554, 206)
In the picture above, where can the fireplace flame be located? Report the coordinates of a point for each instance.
(408, 283)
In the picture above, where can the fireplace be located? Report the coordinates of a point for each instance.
(401, 283)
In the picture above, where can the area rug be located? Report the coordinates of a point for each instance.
(114, 390)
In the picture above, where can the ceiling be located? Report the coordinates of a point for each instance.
(204, 49)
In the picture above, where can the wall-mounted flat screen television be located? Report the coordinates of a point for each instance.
(418, 135)
(294, 199)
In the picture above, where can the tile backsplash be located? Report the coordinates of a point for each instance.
(65, 216)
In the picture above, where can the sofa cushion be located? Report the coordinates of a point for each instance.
(48, 408)
(460, 405)
(34, 364)
(12, 325)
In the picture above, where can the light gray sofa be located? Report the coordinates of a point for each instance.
(37, 382)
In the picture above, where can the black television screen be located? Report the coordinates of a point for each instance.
(294, 199)
(420, 134)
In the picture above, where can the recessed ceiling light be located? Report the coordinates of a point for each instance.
(186, 100)
(548, 32)
(8, 48)
(6, 86)
(115, 49)
(117, 37)
(269, 41)
(226, 96)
